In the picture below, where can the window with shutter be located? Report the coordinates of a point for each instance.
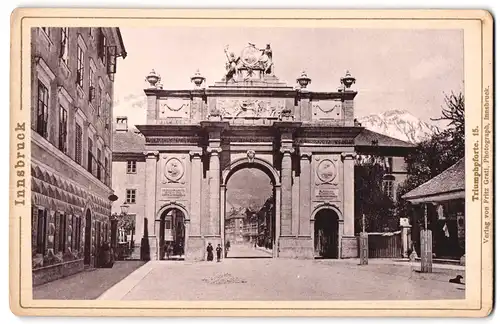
(41, 231)
(91, 84)
(78, 144)
(42, 109)
(111, 59)
(90, 156)
(99, 164)
(63, 129)
(57, 231)
(64, 49)
(80, 67)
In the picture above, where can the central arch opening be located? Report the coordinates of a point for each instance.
(250, 214)
(172, 234)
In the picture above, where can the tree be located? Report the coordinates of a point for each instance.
(370, 198)
(433, 156)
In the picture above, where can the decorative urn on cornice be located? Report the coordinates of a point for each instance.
(303, 80)
(152, 78)
(348, 80)
(197, 79)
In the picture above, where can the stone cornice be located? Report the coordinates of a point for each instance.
(305, 156)
(214, 150)
(195, 154)
(287, 150)
(348, 155)
(151, 154)
(250, 91)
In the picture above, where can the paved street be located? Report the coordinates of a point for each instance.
(248, 251)
(285, 279)
(87, 284)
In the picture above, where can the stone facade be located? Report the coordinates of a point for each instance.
(72, 72)
(305, 141)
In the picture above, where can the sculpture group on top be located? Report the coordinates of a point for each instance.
(252, 59)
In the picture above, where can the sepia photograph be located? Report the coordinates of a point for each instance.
(279, 160)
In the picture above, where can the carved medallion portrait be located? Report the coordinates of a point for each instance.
(326, 171)
(174, 170)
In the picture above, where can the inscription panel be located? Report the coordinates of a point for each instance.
(326, 194)
(173, 193)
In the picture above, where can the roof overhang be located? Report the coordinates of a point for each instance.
(440, 197)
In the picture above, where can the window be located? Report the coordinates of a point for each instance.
(168, 222)
(90, 157)
(104, 44)
(78, 144)
(99, 101)
(42, 109)
(131, 196)
(40, 231)
(105, 232)
(106, 171)
(98, 234)
(77, 230)
(389, 188)
(99, 164)
(91, 84)
(61, 236)
(63, 53)
(131, 166)
(388, 165)
(63, 129)
(107, 108)
(80, 67)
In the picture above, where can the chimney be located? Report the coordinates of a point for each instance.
(121, 124)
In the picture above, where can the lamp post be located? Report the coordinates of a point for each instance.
(114, 226)
(124, 212)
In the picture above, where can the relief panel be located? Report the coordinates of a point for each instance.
(174, 108)
(174, 175)
(326, 175)
(250, 107)
(326, 109)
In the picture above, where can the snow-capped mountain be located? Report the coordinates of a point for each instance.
(399, 124)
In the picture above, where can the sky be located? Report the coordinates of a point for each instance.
(404, 69)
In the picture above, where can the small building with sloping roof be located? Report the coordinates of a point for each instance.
(443, 199)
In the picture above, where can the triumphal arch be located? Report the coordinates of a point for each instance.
(303, 140)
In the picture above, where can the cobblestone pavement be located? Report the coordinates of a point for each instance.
(285, 279)
(88, 284)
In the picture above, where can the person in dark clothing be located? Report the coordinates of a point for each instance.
(228, 245)
(219, 252)
(210, 252)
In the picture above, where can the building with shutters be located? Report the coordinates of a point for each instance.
(72, 76)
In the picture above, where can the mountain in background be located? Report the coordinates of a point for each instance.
(399, 124)
(248, 188)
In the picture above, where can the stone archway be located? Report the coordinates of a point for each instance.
(270, 171)
(327, 232)
(172, 230)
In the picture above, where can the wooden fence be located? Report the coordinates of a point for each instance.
(384, 245)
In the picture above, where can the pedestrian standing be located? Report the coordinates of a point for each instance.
(210, 252)
(219, 252)
(170, 251)
(228, 245)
